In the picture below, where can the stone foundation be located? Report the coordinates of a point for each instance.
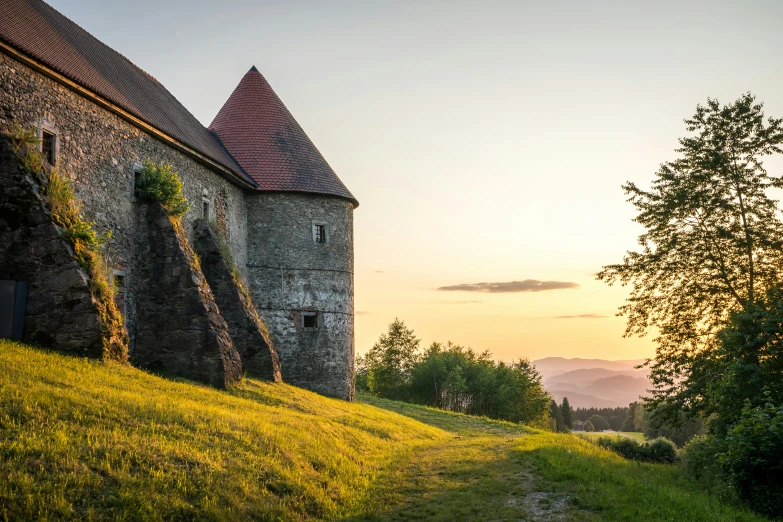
(179, 328)
(248, 333)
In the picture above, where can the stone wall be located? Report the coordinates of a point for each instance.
(61, 313)
(180, 330)
(247, 331)
(291, 275)
(99, 150)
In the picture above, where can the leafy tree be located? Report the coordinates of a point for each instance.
(360, 374)
(390, 362)
(635, 417)
(712, 246)
(588, 426)
(599, 423)
(556, 416)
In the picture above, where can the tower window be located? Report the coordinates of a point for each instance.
(320, 232)
(49, 146)
(310, 320)
(205, 209)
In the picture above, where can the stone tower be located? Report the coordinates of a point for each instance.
(299, 238)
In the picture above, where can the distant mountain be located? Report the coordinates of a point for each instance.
(593, 382)
(551, 366)
(592, 374)
(577, 400)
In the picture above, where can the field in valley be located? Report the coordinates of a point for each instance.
(84, 440)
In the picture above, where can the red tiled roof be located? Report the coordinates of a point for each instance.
(269, 144)
(39, 31)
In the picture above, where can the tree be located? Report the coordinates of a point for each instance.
(556, 416)
(588, 426)
(635, 417)
(712, 246)
(390, 362)
(599, 423)
(567, 413)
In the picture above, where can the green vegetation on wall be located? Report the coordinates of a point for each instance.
(159, 182)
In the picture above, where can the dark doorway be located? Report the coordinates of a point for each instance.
(13, 302)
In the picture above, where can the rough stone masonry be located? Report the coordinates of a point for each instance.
(285, 214)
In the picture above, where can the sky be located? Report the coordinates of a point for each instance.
(485, 141)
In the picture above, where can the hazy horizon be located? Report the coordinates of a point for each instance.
(486, 143)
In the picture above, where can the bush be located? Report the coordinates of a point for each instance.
(588, 426)
(159, 182)
(701, 464)
(599, 423)
(754, 458)
(661, 450)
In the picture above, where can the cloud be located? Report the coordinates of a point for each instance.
(379, 271)
(528, 285)
(362, 313)
(462, 302)
(581, 316)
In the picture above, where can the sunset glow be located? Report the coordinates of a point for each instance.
(486, 143)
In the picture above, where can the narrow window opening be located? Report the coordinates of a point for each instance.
(310, 320)
(138, 176)
(205, 209)
(320, 233)
(49, 147)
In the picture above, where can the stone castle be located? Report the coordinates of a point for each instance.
(253, 173)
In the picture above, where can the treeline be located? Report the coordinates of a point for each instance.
(452, 377)
(613, 416)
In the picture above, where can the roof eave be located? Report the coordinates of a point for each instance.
(239, 179)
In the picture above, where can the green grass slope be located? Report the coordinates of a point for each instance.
(86, 440)
(83, 440)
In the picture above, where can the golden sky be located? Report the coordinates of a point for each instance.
(486, 141)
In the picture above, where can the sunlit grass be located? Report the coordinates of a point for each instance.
(84, 440)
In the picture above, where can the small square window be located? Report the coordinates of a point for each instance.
(49, 147)
(310, 320)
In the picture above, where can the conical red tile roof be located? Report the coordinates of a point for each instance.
(265, 139)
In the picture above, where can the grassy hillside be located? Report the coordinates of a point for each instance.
(84, 440)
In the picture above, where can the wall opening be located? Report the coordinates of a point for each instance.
(320, 232)
(49, 146)
(13, 304)
(310, 320)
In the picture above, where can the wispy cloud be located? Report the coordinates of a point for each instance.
(362, 313)
(581, 316)
(379, 271)
(462, 302)
(528, 285)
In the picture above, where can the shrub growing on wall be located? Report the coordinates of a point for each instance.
(159, 182)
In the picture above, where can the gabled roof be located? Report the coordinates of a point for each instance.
(269, 144)
(39, 31)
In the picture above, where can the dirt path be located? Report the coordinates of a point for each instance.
(475, 475)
